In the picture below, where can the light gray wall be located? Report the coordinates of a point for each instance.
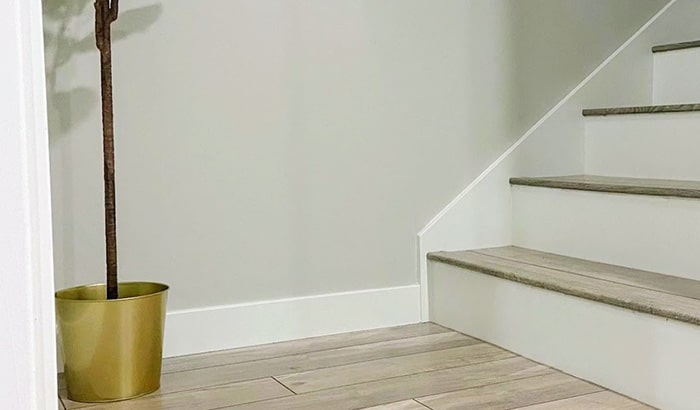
(270, 149)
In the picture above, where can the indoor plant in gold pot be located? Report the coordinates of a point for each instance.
(111, 334)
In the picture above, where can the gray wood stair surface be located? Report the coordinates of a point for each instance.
(653, 293)
(644, 109)
(620, 185)
(675, 46)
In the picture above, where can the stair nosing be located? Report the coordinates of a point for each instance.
(641, 109)
(609, 186)
(675, 46)
(443, 257)
(612, 279)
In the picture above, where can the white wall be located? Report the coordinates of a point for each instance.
(27, 350)
(272, 149)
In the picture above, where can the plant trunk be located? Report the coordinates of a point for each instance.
(105, 14)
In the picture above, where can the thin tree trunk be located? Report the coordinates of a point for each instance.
(105, 13)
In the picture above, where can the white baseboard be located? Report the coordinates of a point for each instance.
(225, 327)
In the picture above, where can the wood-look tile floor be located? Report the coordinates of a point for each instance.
(415, 367)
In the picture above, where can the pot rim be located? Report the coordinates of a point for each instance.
(58, 295)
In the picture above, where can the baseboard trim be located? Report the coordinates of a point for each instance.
(226, 327)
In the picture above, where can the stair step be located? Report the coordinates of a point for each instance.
(619, 185)
(675, 46)
(642, 291)
(644, 109)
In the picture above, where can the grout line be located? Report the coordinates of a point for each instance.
(423, 404)
(603, 388)
(554, 401)
(567, 398)
(214, 386)
(442, 330)
(508, 381)
(588, 276)
(218, 385)
(421, 372)
(474, 341)
(478, 342)
(284, 385)
(60, 403)
(412, 374)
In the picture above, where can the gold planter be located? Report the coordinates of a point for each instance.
(112, 349)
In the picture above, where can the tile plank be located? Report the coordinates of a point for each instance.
(405, 387)
(205, 399)
(401, 405)
(605, 400)
(392, 367)
(618, 185)
(517, 393)
(675, 46)
(673, 285)
(643, 300)
(212, 376)
(251, 353)
(645, 109)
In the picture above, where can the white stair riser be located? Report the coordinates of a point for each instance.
(676, 77)
(650, 233)
(644, 146)
(645, 357)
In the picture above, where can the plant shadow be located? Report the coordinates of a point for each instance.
(70, 107)
(68, 34)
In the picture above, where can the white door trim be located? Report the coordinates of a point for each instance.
(28, 342)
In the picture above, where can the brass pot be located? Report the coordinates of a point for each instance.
(112, 349)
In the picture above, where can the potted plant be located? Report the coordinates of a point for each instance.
(111, 334)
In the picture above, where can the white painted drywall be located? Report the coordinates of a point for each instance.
(274, 149)
(644, 146)
(27, 348)
(480, 216)
(658, 234)
(675, 81)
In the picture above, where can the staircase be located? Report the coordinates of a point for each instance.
(603, 278)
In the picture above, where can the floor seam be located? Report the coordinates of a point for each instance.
(422, 404)
(312, 351)
(284, 385)
(560, 399)
(213, 386)
(475, 343)
(430, 371)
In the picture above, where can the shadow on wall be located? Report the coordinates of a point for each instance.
(68, 108)
(68, 33)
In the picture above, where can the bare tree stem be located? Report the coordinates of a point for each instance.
(106, 12)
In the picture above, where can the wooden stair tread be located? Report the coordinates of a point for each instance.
(675, 46)
(644, 109)
(642, 291)
(621, 185)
